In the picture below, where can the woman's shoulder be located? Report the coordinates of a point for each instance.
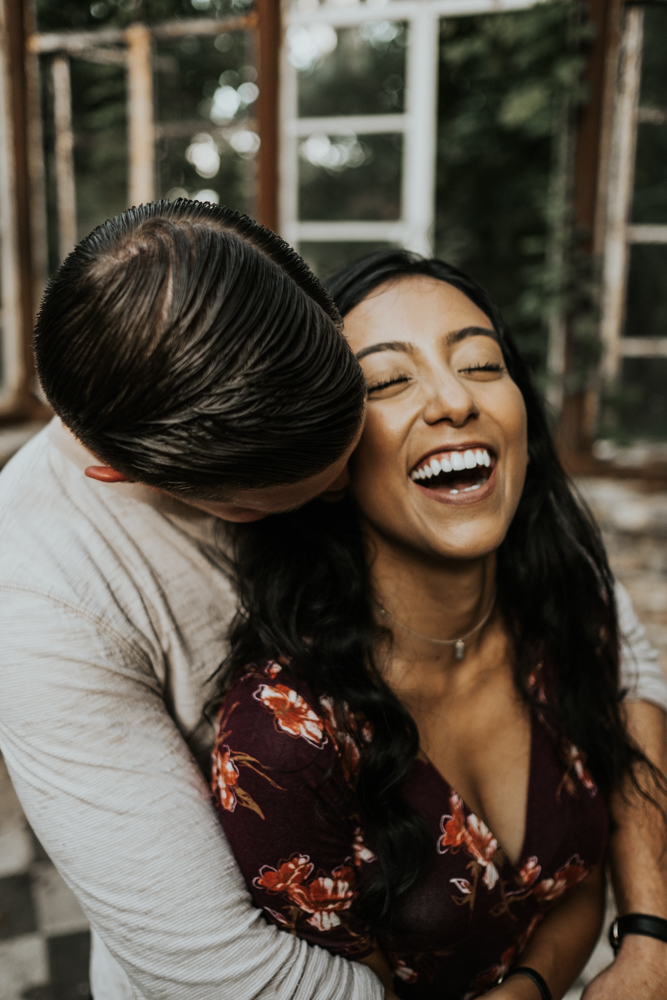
(270, 710)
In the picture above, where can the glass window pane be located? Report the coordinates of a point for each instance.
(55, 15)
(206, 135)
(640, 406)
(650, 197)
(654, 63)
(327, 258)
(352, 71)
(374, 7)
(99, 123)
(350, 177)
(646, 311)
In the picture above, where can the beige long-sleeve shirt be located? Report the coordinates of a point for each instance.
(114, 604)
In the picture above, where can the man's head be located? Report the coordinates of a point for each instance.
(192, 350)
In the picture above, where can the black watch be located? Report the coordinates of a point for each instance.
(636, 923)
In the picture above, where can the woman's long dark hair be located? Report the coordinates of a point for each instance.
(305, 593)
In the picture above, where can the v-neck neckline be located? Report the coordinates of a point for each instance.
(425, 759)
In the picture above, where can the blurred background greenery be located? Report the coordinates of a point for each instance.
(510, 88)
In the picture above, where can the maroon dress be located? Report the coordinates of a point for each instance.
(283, 777)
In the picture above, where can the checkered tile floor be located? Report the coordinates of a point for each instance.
(44, 937)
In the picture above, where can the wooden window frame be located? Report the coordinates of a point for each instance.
(603, 183)
(417, 124)
(23, 263)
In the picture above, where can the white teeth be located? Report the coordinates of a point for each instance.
(453, 491)
(455, 461)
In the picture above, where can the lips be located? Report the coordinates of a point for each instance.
(457, 471)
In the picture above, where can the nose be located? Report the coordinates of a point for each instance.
(449, 401)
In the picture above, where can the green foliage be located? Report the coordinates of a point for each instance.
(509, 84)
(362, 76)
(187, 72)
(636, 406)
(73, 15)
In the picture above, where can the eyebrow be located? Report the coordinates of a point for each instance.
(406, 348)
(388, 345)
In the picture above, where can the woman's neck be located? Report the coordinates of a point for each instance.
(436, 598)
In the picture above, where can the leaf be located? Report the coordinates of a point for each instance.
(248, 801)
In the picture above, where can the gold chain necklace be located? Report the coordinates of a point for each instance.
(458, 644)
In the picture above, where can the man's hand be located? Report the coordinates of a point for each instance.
(639, 972)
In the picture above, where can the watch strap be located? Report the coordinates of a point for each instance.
(636, 923)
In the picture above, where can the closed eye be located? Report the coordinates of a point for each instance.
(397, 380)
(488, 366)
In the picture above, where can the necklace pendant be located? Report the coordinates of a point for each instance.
(459, 649)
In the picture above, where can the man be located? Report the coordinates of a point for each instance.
(199, 374)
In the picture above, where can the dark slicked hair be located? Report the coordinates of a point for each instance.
(193, 350)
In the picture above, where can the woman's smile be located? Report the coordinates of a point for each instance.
(457, 474)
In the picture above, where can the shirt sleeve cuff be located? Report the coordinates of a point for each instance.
(641, 674)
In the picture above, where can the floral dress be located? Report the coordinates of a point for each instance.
(283, 786)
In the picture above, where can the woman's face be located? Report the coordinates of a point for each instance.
(442, 459)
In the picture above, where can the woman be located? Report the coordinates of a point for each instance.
(413, 770)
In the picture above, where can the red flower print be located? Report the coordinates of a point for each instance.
(224, 777)
(528, 933)
(471, 832)
(345, 744)
(360, 852)
(403, 971)
(536, 684)
(577, 760)
(570, 874)
(272, 669)
(325, 896)
(292, 713)
(492, 975)
(453, 827)
(530, 871)
(462, 884)
(290, 873)
(482, 845)
(322, 899)
(225, 786)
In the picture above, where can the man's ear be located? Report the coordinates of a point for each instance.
(337, 489)
(105, 474)
(333, 496)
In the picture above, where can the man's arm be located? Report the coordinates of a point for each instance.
(638, 844)
(112, 791)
